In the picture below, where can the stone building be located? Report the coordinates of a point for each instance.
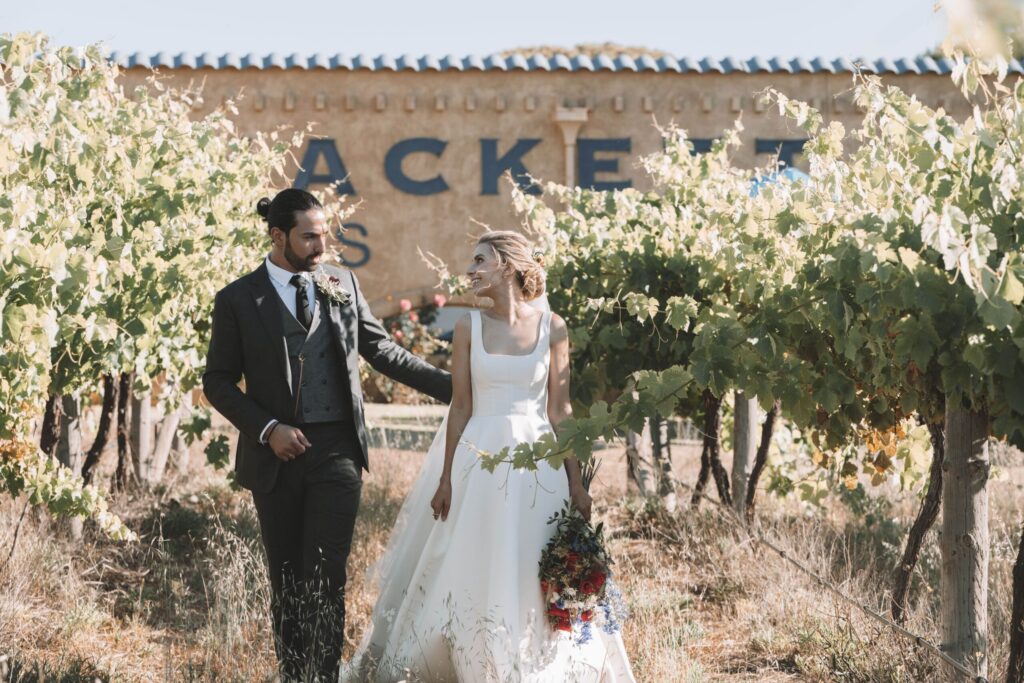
(424, 142)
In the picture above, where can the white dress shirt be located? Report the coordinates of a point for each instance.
(282, 281)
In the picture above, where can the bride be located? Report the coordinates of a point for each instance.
(460, 598)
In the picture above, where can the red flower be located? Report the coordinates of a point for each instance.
(405, 305)
(587, 587)
(598, 577)
(587, 615)
(544, 587)
(559, 612)
(563, 625)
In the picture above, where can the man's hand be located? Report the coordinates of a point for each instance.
(581, 500)
(288, 442)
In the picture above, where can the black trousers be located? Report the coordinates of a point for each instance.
(307, 522)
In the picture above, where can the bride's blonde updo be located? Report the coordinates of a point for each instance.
(515, 251)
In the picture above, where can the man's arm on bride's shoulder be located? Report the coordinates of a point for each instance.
(559, 405)
(224, 370)
(387, 357)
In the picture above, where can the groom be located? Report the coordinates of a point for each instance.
(293, 329)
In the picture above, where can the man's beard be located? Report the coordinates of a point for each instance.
(298, 263)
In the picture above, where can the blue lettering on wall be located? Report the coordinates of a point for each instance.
(336, 171)
(403, 148)
(697, 145)
(343, 235)
(589, 165)
(701, 145)
(492, 166)
(785, 149)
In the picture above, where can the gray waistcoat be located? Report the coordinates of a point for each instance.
(320, 389)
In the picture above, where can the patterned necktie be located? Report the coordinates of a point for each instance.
(302, 311)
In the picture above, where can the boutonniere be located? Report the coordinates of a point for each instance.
(331, 287)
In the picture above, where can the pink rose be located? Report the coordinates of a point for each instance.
(405, 305)
(399, 335)
(414, 317)
(440, 300)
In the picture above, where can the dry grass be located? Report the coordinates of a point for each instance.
(189, 602)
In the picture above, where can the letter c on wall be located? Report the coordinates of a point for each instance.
(403, 148)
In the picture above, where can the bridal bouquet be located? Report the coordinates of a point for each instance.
(575, 578)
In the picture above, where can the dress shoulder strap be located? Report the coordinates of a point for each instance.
(474, 327)
(545, 330)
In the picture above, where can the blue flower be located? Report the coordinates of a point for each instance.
(611, 627)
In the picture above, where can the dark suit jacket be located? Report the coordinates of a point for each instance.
(248, 341)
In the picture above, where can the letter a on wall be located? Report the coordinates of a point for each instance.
(336, 171)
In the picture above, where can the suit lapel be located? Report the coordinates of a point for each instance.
(317, 304)
(269, 306)
(337, 318)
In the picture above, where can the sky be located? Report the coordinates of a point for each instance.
(684, 28)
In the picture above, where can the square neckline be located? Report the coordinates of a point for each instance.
(536, 344)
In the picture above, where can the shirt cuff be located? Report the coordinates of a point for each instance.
(266, 429)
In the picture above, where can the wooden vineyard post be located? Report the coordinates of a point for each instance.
(142, 435)
(744, 449)
(964, 543)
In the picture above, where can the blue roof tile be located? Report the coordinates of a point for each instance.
(519, 62)
(624, 63)
(582, 63)
(646, 63)
(801, 65)
(561, 62)
(539, 63)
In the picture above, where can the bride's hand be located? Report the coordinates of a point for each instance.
(442, 501)
(581, 500)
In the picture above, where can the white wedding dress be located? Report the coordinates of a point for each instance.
(460, 600)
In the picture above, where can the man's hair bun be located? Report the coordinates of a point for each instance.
(263, 207)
